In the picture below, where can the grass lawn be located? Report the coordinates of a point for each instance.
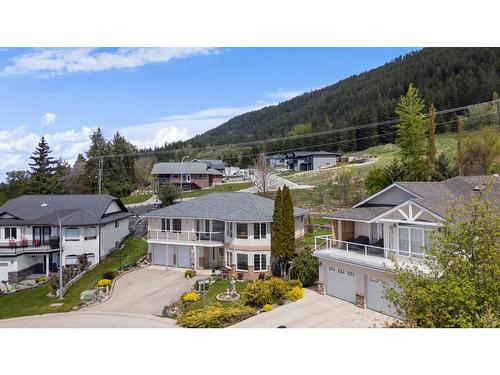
(228, 187)
(217, 287)
(132, 199)
(35, 301)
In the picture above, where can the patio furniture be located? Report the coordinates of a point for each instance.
(36, 243)
(12, 243)
(24, 242)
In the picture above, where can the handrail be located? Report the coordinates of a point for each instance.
(367, 250)
(185, 236)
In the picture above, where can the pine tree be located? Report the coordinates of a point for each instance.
(277, 229)
(412, 134)
(496, 108)
(98, 147)
(120, 175)
(42, 174)
(288, 224)
(431, 140)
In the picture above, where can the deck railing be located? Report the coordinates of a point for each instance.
(185, 236)
(326, 242)
(14, 247)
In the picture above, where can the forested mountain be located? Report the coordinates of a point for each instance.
(447, 77)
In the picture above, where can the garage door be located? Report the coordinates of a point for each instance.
(160, 255)
(184, 256)
(341, 283)
(4, 270)
(375, 295)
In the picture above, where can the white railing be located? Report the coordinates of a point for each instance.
(326, 242)
(185, 236)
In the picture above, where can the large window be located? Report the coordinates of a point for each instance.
(259, 262)
(413, 240)
(165, 224)
(229, 229)
(242, 230)
(176, 225)
(259, 230)
(242, 262)
(10, 233)
(90, 233)
(72, 234)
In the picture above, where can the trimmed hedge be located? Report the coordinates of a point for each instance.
(215, 316)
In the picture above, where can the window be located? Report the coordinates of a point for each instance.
(186, 178)
(117, 223)
(72, 234)
(229, 229)
(259, 262)
(229, 259)
(242, 262)
(242, 230)
(10, 233)
(176, 225)
(90, 233)
(259, 230)
(165, 224)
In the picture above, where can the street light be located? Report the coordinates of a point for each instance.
(182, 161)
(60, 249)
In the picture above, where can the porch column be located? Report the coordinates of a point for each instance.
(193, 258)
(47, 265)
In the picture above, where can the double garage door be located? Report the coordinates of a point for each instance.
(341, 283)
(173, 256)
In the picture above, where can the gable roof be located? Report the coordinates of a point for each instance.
(74, 209)
(178, 168)
(237, 206)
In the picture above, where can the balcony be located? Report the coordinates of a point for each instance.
(15, 247)
(187, 237)
(367, 255)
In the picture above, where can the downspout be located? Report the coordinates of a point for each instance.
(99, 245)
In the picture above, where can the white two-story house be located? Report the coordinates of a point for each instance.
(29, 231)
(395, 223)
(230, 230)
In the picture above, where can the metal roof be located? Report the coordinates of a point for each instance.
(234, 206)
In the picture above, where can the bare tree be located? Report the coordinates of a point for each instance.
(263, 173)
(142, 169)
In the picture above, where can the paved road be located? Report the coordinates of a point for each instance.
(136, 300)
(316, 311)
(274, 182)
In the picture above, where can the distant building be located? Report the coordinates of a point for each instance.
(216, 164)
(194, 175)
(311, 160)
(276, 160)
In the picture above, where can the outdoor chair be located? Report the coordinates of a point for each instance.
(12, 243)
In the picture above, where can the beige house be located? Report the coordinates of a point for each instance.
(395, 223)
(217, 230)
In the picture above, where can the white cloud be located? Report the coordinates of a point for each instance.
(48, 118)
(283, 95)
(55, 61)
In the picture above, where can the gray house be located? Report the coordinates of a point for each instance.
(311, 160)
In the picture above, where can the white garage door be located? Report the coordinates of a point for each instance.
(171, 251)
(341, 283)
(375, 295)
(184, 256)
(4, 270)
(160, 255)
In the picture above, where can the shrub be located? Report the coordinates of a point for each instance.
(294, 283)
(267, 307)
(189, 273)
(258, 293)
(110, 275)
(168, 194)
(306, 267)
(295, 294)
(103, 282)
(279, 288)
(190, 297)
(215, 316)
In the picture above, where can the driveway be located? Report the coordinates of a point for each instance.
(137, 298)
(316, 311)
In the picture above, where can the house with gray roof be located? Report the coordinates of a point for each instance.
(188, 175)
(29, 231)
(217, 230)
(396, 222)
(311, 160)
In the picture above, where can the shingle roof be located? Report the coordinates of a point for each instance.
(319, 153)
(74, 209)
(360, 213)
(178, 168)
(238, 206)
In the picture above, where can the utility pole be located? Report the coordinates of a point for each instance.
(100, 175)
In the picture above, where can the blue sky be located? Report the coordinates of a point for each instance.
(152, 95)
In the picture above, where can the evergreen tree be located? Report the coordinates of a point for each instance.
(42, 174)
(98, 147)
(288, 224)
(460, 140)
(443, 168)
(277, 229)
(496, 108)
(412, 134)
(431, 140)
(120, 175)
(61, 173)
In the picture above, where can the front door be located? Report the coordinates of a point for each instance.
(41, 235)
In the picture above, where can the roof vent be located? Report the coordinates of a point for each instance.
(477, 188)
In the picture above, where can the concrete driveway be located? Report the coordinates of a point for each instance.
(316, 311)
(137, 298)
